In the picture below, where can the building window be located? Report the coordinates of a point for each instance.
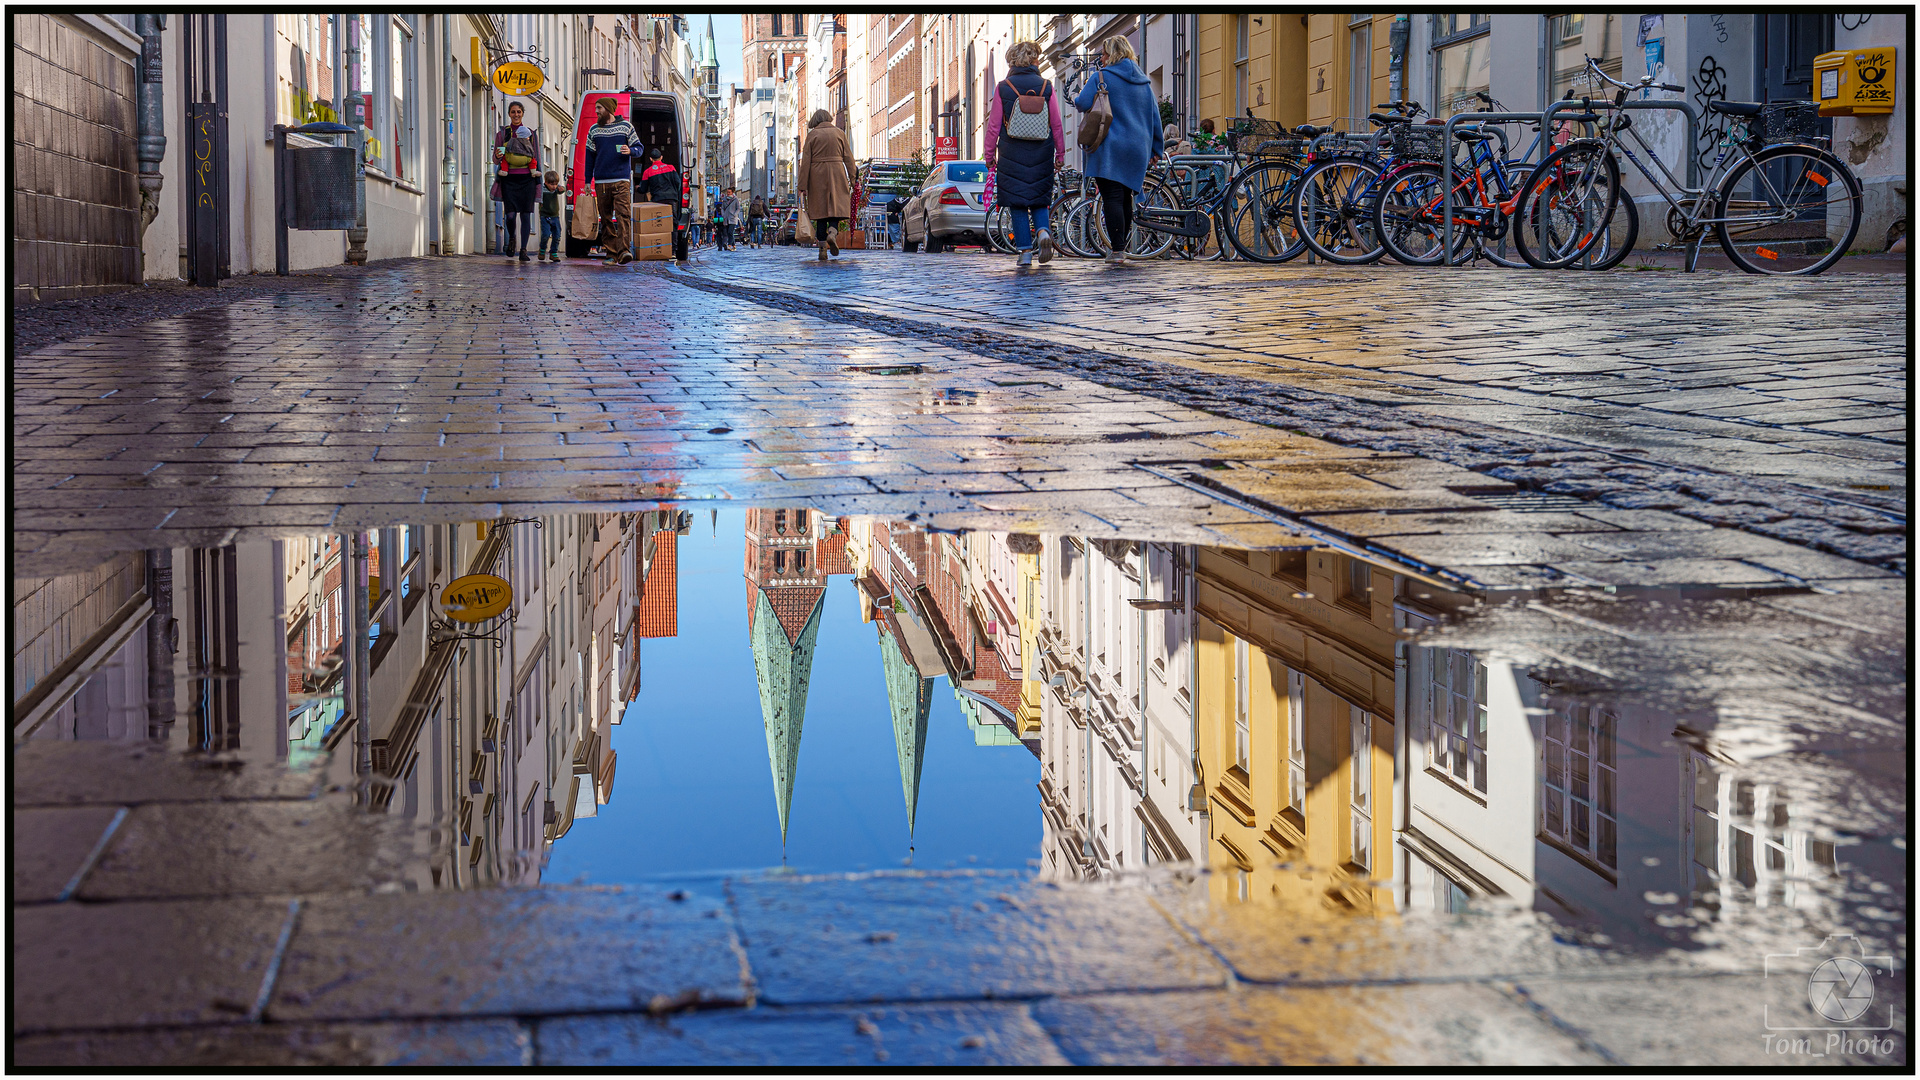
(780, 522)
(401, 75)
(1359, 66)
(1573, 38)
(1242, 680)
(1461, 52)
(462, 137)
(1577, 783)
(1242, 53)
(1457, 708)
(799, 562)
(1360, 772)
(1360, 581)
(1297, 742)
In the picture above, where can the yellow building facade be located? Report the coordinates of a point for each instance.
(1294, 674)
(1293, 68)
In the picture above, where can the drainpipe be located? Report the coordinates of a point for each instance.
(362, 667)
(163, 639)
(449, 160)
(357, 236)
(151, 144)
(1397, 58)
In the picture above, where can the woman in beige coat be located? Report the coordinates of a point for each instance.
(826, 180)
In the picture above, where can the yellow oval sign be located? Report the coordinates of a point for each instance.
(475, 598)
(518, 77)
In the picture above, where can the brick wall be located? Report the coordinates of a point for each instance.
(76, 196)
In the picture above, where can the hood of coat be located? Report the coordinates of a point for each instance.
(1126, 71)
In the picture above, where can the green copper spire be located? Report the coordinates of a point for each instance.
(911, 698)
(783, 668)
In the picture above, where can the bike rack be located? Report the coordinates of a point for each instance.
(1546, 120)
(1446, 164)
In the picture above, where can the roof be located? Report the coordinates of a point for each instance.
(782, 667)
(657, 615)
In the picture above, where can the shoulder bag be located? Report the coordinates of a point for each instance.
(1095, 121)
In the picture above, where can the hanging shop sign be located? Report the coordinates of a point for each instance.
(518, 78)
(475, 598)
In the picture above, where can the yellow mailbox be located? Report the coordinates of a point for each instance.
(1854, 82)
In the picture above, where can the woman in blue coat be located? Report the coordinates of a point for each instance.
(1119, 164)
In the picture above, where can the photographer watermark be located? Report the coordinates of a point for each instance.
(1829, 1001)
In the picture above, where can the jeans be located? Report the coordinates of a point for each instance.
(725, 233)
(1026, 219)
(549, 235)
(756, 227)
(1116, 201)
(893, 234)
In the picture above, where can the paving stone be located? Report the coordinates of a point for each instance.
(78, 966)
(491, 1044)
(896, 937)
(1727, 1021)
(1454, 524)
(894, 1036)
(168, 850)
(49, 772)
(1421, 1026)
(51, 845)
(1669, 572)
(359, 957)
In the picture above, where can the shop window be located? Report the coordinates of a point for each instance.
(1461, 54)
(1456, 701)
(1573, 38)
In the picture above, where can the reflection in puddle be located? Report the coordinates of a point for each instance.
(1312, 729)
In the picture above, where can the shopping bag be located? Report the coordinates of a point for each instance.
(586, 219)
(803, 229)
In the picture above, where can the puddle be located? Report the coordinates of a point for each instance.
(678, 693)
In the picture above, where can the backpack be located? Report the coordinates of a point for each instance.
(1028, 122)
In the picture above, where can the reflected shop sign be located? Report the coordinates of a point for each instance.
(475, 598)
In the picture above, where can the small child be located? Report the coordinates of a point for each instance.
(550, 217)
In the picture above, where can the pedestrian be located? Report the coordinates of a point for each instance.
(610, 152)
(756, 220)
(826, 180)
(896, 206)
(1119, 164)
(734, 217)
(1024, 147)
(516, 150)
(1207, 141)
(550, 216)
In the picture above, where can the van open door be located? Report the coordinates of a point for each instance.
(656, 120)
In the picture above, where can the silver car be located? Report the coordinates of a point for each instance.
(948, 209)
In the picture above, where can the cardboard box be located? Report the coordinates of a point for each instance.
(645, 213)
(653, 249)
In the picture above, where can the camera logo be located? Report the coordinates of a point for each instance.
(1841, 989)
(1826, 988)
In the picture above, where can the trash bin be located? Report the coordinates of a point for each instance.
(323, 192)
(1854, 82)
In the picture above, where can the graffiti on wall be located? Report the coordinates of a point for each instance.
(1709, 84)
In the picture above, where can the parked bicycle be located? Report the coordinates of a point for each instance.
(1778, 202)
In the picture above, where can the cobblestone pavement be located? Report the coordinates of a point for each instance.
(437, 390)
(201, 917)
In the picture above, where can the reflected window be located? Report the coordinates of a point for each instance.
(1573, 38)
(1360, 785)
(1577, 783)
(800, 521)
(1297, 742)
(1457, 704)
(1359, 581)
(1462, 52)
(1242, 739)
(780, 522)
(779, 562)
(799, 562)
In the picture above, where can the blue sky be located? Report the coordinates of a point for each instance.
(726, 41)
(693, 791)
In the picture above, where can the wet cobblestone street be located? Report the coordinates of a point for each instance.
(1292, 522)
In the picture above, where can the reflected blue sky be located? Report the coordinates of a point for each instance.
(694, 791)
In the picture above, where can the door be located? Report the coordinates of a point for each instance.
(1787, 46)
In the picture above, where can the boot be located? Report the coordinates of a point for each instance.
(822, 249)
(831, 246)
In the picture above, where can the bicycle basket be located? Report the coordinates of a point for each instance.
(1253, 144)
(1346, 145)
(1419, 142)
(1247, 132)
(1786, 121)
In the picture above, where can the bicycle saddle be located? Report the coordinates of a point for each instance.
(1471, 135)
(1308, 131)
(1383, 119)
(1736, 108)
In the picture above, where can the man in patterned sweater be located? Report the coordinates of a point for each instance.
(611, 147)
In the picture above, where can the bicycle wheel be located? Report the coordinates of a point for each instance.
(1406, 217)
(1788, 210)
(1616, 241)
(1566, 205)
(1259, 212)
(1500, 248)
(1001, 229)
(1089, 239)
(1334, 211)
(1148, 243)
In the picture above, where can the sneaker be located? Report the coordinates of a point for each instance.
(1046, 246)
(524, 257)
(1115, 258)
(626, 257)
(553, 258)
(1026, 259)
